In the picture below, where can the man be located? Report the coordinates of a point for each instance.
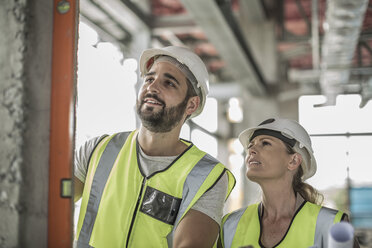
(149, 188)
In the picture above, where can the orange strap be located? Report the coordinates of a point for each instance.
(60, 202)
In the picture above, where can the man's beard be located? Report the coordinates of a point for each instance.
(165, 119)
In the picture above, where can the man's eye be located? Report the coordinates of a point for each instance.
(149, 79)
(170, 83)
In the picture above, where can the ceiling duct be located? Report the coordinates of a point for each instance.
(344, 20)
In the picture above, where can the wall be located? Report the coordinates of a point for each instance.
(25, 56)
(12, 49)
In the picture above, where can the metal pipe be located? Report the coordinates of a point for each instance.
(315, 34)
(344, 20)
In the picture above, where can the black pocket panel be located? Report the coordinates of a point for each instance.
(160, 205)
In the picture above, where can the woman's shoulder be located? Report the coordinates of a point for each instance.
(335, 214)
(239, 212)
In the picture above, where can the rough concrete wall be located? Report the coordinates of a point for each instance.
(24, 119)
(12, 48)
(38, 59)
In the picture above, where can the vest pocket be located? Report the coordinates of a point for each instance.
(160, 205)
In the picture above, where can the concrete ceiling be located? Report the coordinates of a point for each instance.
(258, 44)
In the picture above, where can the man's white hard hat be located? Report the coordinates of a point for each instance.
(290, 129)
(185, 57)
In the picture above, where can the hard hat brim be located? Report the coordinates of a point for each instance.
(148, 54)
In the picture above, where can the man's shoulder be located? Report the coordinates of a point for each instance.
(94, 141)
(90, 144)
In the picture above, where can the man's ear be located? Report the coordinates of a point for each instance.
(295, 161)
(192, 105)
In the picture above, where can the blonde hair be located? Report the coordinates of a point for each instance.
(308, 192)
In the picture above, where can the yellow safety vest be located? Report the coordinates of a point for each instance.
(122, 208)
(309, 227)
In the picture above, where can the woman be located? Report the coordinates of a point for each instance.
(279, 158)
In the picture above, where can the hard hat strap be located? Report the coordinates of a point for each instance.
(275, 134)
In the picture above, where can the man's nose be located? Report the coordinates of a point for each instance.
(153, 86)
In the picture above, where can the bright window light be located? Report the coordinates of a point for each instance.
(345, 116)
(235, 147)
(185, 132)
(236, 161)
(105, 88)
(208, 118)
(205, 142)
(235, 111)
(341, 137)
(335, 154)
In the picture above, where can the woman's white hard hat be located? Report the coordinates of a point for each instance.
(186, 57)
(290, 129)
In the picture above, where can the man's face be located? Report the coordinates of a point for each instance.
(162, 99)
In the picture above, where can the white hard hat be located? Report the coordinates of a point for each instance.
(289, 131)
(185, 57)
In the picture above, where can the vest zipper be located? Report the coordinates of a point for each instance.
(135, 211)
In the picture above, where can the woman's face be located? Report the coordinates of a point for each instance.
(267, 159)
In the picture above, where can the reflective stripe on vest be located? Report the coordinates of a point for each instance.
(230, 227)
(242, 227)
(200, 172)
(197, 172)
(99, 181)
(326, 218)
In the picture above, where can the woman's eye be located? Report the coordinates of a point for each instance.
(265, 143)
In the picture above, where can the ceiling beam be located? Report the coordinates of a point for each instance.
(114, 11)
(208, 15)
(254, 10)
(259, 35)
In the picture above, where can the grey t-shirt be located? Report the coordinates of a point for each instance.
(211, 203)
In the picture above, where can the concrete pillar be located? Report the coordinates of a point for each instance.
(25, 55)
(224, 131)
